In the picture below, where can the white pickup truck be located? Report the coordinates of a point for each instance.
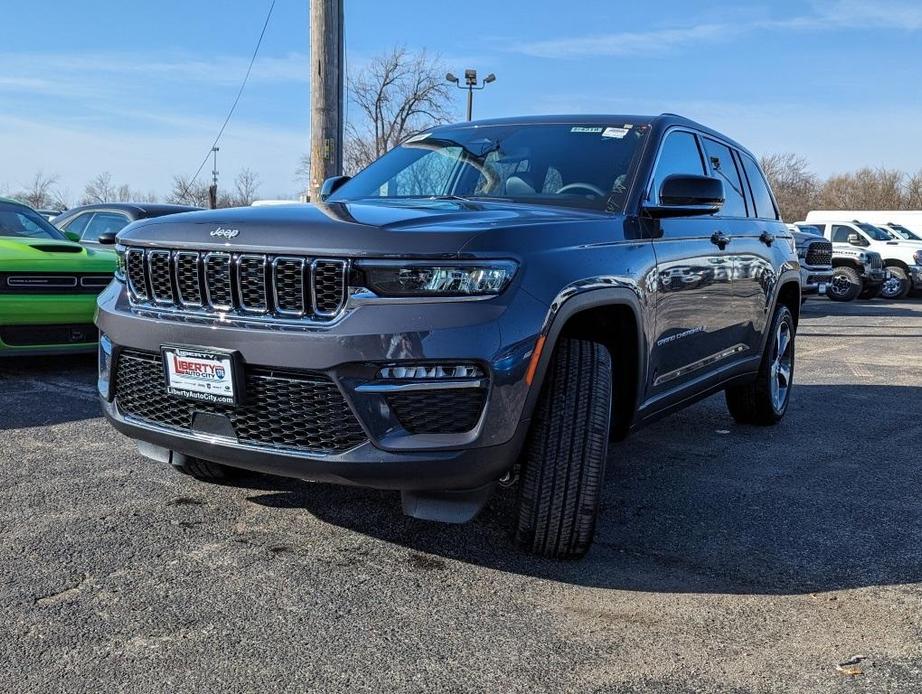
(902, 259)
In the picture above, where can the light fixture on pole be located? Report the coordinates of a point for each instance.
(470, 84)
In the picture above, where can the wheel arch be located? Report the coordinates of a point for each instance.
(612, 317)
(897, 262)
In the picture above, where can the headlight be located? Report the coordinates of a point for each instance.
(120, 263)
(405, 279)
(862, 258)
(917, 256)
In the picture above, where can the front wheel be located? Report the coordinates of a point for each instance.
(846, 284)
(204, 470)
(561, 479)
(764, 401)
(896, 286)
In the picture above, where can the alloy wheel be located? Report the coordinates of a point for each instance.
(782, 365)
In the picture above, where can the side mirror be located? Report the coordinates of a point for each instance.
(687, 195)
(106, 239)
(71, 236)
(855, 240)
(331, 185)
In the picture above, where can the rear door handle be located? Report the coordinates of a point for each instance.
(766, 238)
(720, 239)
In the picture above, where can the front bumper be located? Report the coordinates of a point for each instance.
(874, 277)
(812, 280)
(47, 324)
(497, 334)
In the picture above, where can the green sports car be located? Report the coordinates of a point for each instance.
(48, 285)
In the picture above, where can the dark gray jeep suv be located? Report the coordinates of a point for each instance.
(489, 303)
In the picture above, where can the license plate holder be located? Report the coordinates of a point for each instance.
(203, 374)
(822, 288)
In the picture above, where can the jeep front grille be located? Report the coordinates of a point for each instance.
(242, 283)
(875, 261)
(819, 253)
(281, 409)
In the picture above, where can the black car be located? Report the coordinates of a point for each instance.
(87, 222)
(487, 304)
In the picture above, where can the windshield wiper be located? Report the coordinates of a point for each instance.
(450, 196)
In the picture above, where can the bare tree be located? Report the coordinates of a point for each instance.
(246, 187)
(42, 193)
(796, 188)
(864, 189)
(398, 95)
(187, 192)
(99, 189)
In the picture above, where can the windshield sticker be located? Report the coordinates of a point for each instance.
(617, 132)
(581, 129)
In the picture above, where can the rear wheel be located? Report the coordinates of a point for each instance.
(564, 465)
(764, 401)
(204, 470)
(846, 284)
(896, 286)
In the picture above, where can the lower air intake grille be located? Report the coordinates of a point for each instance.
(438, 411)
(37, 335)
(291, 410)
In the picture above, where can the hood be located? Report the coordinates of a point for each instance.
(21, 253)
(373, 229)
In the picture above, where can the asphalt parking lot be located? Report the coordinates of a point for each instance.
(728, 559)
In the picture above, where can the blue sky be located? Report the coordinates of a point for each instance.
(140, 88)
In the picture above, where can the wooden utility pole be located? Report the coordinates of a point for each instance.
(327, 63)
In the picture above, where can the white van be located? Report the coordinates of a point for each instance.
(912, 220)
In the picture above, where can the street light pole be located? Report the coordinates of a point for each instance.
(470, 83)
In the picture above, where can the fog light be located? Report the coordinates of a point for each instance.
(104, 382)
(428, 371)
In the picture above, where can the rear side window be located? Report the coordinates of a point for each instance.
(765, 206)
(724, 167)
(103, 223)
(679, 155)
(78, 223)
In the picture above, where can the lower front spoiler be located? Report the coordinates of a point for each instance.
(364, 465)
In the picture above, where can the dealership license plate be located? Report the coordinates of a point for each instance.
(822, 287)
(200, 375)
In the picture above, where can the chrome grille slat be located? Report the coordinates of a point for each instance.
(160, 276)
(136, 271)
(188, 278)
(288, 286)
(252, 294)
(246, 284)
(328, 278)
(218, 281)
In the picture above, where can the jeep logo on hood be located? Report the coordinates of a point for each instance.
(222, 233)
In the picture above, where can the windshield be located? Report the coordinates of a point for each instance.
(807, 229)
(568, 165)
(903, 232)
(16, 220)
(875, 233)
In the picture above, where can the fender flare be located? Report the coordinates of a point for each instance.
(558, 316)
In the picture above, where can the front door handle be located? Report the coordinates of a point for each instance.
(766, 238)
(720, 239)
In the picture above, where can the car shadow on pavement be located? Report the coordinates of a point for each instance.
(43, 391)
(827, 500)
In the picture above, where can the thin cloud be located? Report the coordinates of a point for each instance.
(623, 43)
(827, 16)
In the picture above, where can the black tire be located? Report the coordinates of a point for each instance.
(846, 284)
(898, 286)
(755, 403)
(871, 292)
(205, 471)
(561, 479)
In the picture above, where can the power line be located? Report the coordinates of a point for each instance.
(233, 107)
